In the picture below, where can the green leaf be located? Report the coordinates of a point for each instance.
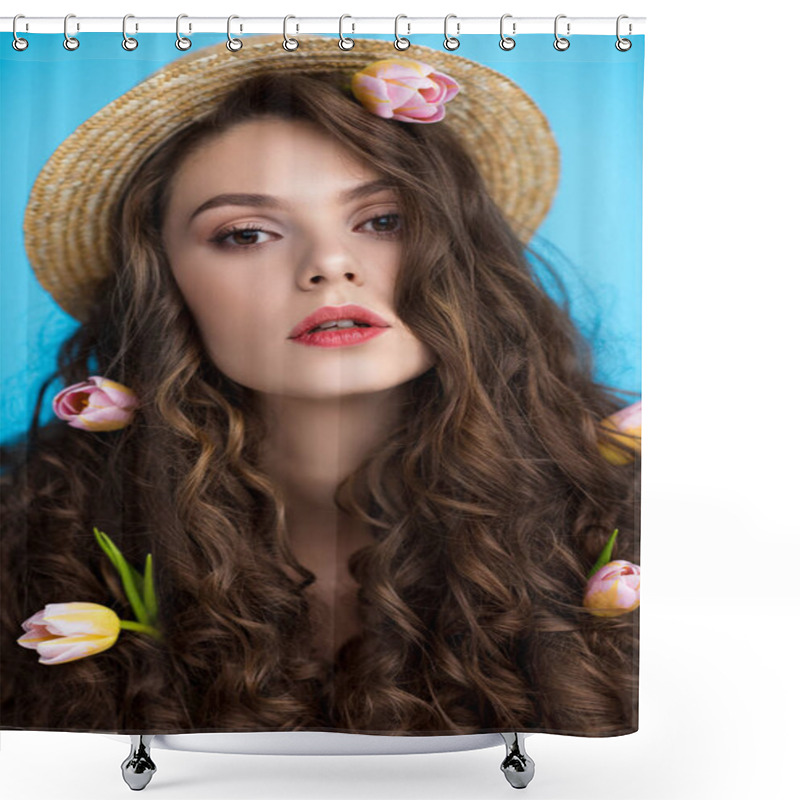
(149, 590)
(605, 556)
(138, 580)
(108, 547)
(126, 572)
(112, 551)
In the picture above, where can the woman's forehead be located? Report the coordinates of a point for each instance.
(272, 149)
(272, 166)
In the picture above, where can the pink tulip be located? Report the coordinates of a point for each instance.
(404, 89)
(627, 420)
(63, 632)
(97, 404)
(613, 590)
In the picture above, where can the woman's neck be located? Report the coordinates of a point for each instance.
(313, 444)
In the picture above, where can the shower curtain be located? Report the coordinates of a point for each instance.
(321, 376)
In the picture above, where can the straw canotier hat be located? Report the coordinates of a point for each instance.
(69, 210)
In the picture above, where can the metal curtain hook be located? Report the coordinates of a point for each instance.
(128, 42)
(18, 43)
(623, 44)
(560, 43)
(233, 44)
(506, 42)
(450, 42)
(400, 42)
(70, 42)
(182, 43)
(346, 44)
(289, 44)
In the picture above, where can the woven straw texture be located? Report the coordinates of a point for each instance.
(68, 215)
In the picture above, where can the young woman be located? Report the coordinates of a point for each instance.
(383, 528)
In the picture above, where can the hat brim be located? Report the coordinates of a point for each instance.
(71, 202)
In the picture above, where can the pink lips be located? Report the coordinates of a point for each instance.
(337, 337)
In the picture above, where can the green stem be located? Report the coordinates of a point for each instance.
(130, 625)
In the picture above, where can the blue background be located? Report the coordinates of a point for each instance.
(591, 94)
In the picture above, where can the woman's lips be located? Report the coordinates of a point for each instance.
(338, 337)
(351, 311)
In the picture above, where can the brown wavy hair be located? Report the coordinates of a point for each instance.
(488, 503)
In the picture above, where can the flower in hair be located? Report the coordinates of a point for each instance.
(62, 632)
(612, 587)
(404, 89)
(625, 426)
(613, 590)
(97, 404)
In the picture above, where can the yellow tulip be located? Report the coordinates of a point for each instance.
(621, 426)
(63, 632)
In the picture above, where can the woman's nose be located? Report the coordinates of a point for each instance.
(326, 256)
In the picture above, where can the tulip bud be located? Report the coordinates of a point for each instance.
(613, 590)
(63, 632)
(626, 421)
(404, 89)
(97, 404)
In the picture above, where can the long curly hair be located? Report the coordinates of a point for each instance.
(488, 503)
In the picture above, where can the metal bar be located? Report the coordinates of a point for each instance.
(320, 25)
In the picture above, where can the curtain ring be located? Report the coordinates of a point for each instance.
(451, 42)
(18, 44)
(623, 45)
(560, 43)
(506, 42)
(345, 44)
(234, 45)
(70, 42)
(182, 43)
(289, 44)
(400, 42)
(128, 42)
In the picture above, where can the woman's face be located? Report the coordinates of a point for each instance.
(264, 227)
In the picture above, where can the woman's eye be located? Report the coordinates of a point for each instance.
(240, 238)
(247, 237)
(382, 229)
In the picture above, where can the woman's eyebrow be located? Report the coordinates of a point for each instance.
(270, 201)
